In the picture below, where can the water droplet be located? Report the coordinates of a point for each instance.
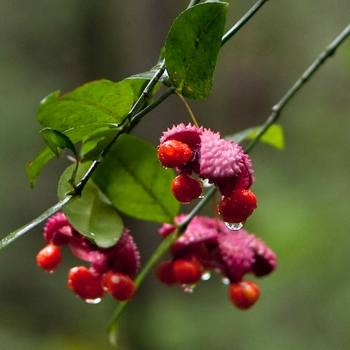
(206, 276)
(188, 288)
(164, 167)
(225, 281)
(206, 183)
(234, 226)
(93, 301)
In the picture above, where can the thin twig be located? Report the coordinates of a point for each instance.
(242, 21)
(80, 186)
(145, 93)
(147, 90)
(276, 109)
(189, 110)
(19, 232)
(137, 117)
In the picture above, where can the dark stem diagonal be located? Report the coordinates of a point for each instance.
(147, 90)
(276, 110)
(131, 121)
(135, 109)
(163, 247)
(137, 117)
(45, 215)
(242, 21)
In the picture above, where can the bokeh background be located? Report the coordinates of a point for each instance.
(303, 192)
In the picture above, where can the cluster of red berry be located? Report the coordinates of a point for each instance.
(111, 269)
(208, 245)
(223, 163)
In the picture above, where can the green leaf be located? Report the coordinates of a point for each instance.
(57, 141)
(34, 168)
(133, 180)
(192, 47)
(273, 136)
(100, 101)
(91, 214)
(97, 142)
(139, 81)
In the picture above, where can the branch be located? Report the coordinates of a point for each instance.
(80, 186)
(277, 109)
(149, 87)
(137, 117)
(19, 232)
(163, 247)
(242, 21)
(169, 240)
(135, 109)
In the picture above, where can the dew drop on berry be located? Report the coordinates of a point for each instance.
(225, 281)
(234, 226)
(188, 288)
(93, 301)
(206, 276)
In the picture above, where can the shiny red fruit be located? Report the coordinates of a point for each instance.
(238, 206)
(84, 283)
(49, 257)
(185, 188)
(164, 272)
(173, 153)
(120, 286)
(186, 272)
(244, 294)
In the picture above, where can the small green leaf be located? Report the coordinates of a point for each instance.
(133, 180)
(97, 142)
(100, 101)
(91, 214)
(273, 136)
(57, 141)
(192, 47)
(34, 168)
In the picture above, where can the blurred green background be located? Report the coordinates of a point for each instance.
(303, 192)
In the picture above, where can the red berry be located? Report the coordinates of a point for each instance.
(238, 206)
(186, 272)
(244, 294)
(84, 283)
(120, 286)
(49, 257)
(173, 153)
(185, 188)
(164, 272)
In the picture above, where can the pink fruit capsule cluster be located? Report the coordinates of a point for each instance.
(208, 245)
(204, 154)
(111, 269)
